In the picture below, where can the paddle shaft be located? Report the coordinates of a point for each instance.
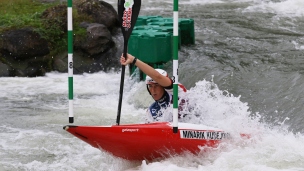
(122, 78)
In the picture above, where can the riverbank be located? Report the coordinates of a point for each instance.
(34, 37)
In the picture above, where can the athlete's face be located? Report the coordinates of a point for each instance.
(156, 91)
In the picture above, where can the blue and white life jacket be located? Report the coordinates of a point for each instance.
(156, 108)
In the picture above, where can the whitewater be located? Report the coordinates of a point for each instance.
(237, 93)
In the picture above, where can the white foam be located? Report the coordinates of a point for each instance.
(38, 142)
(288, 8)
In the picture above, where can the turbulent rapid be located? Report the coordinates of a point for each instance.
(244, 75)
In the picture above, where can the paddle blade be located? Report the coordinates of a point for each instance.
(128, 11)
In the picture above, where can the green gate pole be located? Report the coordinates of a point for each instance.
(70, 60)
(175, 66)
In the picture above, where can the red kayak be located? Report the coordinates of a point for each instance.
(148, 141)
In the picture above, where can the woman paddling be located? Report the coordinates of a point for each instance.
(160, 87)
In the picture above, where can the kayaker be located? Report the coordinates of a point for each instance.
(160, 87)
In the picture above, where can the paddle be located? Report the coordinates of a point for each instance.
(128, 11)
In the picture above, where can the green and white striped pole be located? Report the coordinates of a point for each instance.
(175, 66)
(70, 60)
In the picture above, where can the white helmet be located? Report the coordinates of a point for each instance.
(149, 80)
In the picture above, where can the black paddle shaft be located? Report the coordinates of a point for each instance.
(128, 11)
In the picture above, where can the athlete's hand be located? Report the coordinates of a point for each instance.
(129, 60)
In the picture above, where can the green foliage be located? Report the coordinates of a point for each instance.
(16, 14)
(21, 13)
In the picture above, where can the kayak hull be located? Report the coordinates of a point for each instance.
(148, 141)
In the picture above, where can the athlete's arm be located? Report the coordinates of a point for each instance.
(147, 69)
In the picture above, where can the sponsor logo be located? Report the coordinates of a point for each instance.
(204, 135)
(129, 130)
(151, 81)
(127, 14)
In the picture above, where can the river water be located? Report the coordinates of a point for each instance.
(244, 74)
